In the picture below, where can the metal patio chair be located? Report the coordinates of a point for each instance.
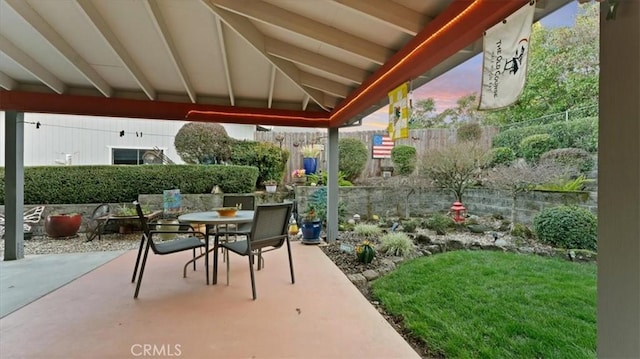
(189, 240)
(268, 232)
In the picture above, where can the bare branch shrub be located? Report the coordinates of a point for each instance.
(456, 167)
(522, 177)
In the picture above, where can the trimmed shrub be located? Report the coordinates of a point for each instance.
(117, 184)
(397, 244)
(203, 143)
(534, 146)
(501, 156)
(352, 158)
(567, 227)
(404, 159)
(471, 131)
(582, 133)
(439, 223)
(574, 158)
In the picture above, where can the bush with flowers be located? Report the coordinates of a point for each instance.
(299, 173)
(365, 252)
(299, 176)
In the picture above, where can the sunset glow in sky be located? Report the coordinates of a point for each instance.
(461, 80)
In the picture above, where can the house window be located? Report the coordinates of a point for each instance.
(135, 156)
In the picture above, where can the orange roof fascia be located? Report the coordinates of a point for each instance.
(462, 23)
(162, 110)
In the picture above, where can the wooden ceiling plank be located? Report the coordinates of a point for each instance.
(111, 39)
(7, 82)
(402, 18)
(225, 60)
(325, 85)
(45, 30)
(245, 29)
(165, 35)
(304, 57)
(30, 65)
(272, 85)
(275, 16)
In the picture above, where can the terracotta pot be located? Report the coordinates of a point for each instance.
(62, 225)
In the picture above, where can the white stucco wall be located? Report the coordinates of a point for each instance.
(89, 140)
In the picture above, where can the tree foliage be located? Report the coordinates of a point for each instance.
(203, 143)
(562, 72)
(423, 114)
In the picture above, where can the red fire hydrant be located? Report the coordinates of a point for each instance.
(459, 212)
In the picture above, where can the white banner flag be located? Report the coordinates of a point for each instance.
(506, 49)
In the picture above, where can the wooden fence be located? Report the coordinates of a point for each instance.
(422, 139)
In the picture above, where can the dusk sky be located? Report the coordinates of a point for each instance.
(463, 79)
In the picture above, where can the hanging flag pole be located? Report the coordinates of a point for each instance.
(506, 53)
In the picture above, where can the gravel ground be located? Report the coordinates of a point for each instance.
(78, 243)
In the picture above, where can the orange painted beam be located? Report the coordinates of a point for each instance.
(162, 110)
(462, 23)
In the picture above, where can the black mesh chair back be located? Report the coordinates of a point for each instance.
(187, 240)
(247, 203)
(244, 202)
(268, 232)
(270, 226)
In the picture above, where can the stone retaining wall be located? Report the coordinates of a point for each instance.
(367, 201)
(415, 202)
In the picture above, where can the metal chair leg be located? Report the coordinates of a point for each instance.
(135, 269)
(144, 262)
(253, 279)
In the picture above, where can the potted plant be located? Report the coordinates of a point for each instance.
(299, 176)
(309, 158)
(62, 224)
(270, 186)
(311, 226)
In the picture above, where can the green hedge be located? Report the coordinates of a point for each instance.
(581, 133)
(567, 227)
(532, 147)
(112, 184)
(267, 157)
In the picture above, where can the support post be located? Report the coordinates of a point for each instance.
(14, 186)
(619, 183)
(332, 185)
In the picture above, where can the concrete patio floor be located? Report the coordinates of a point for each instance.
(95, 316)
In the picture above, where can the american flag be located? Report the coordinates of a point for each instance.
(382, 146)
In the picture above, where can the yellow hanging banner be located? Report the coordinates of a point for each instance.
(399, 112)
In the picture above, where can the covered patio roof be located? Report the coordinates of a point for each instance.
(325, 63)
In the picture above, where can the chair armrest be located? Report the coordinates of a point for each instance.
(190, 233)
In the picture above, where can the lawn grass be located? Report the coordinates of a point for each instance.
(480, 304)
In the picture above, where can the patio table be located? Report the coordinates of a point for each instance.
(212, 221)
